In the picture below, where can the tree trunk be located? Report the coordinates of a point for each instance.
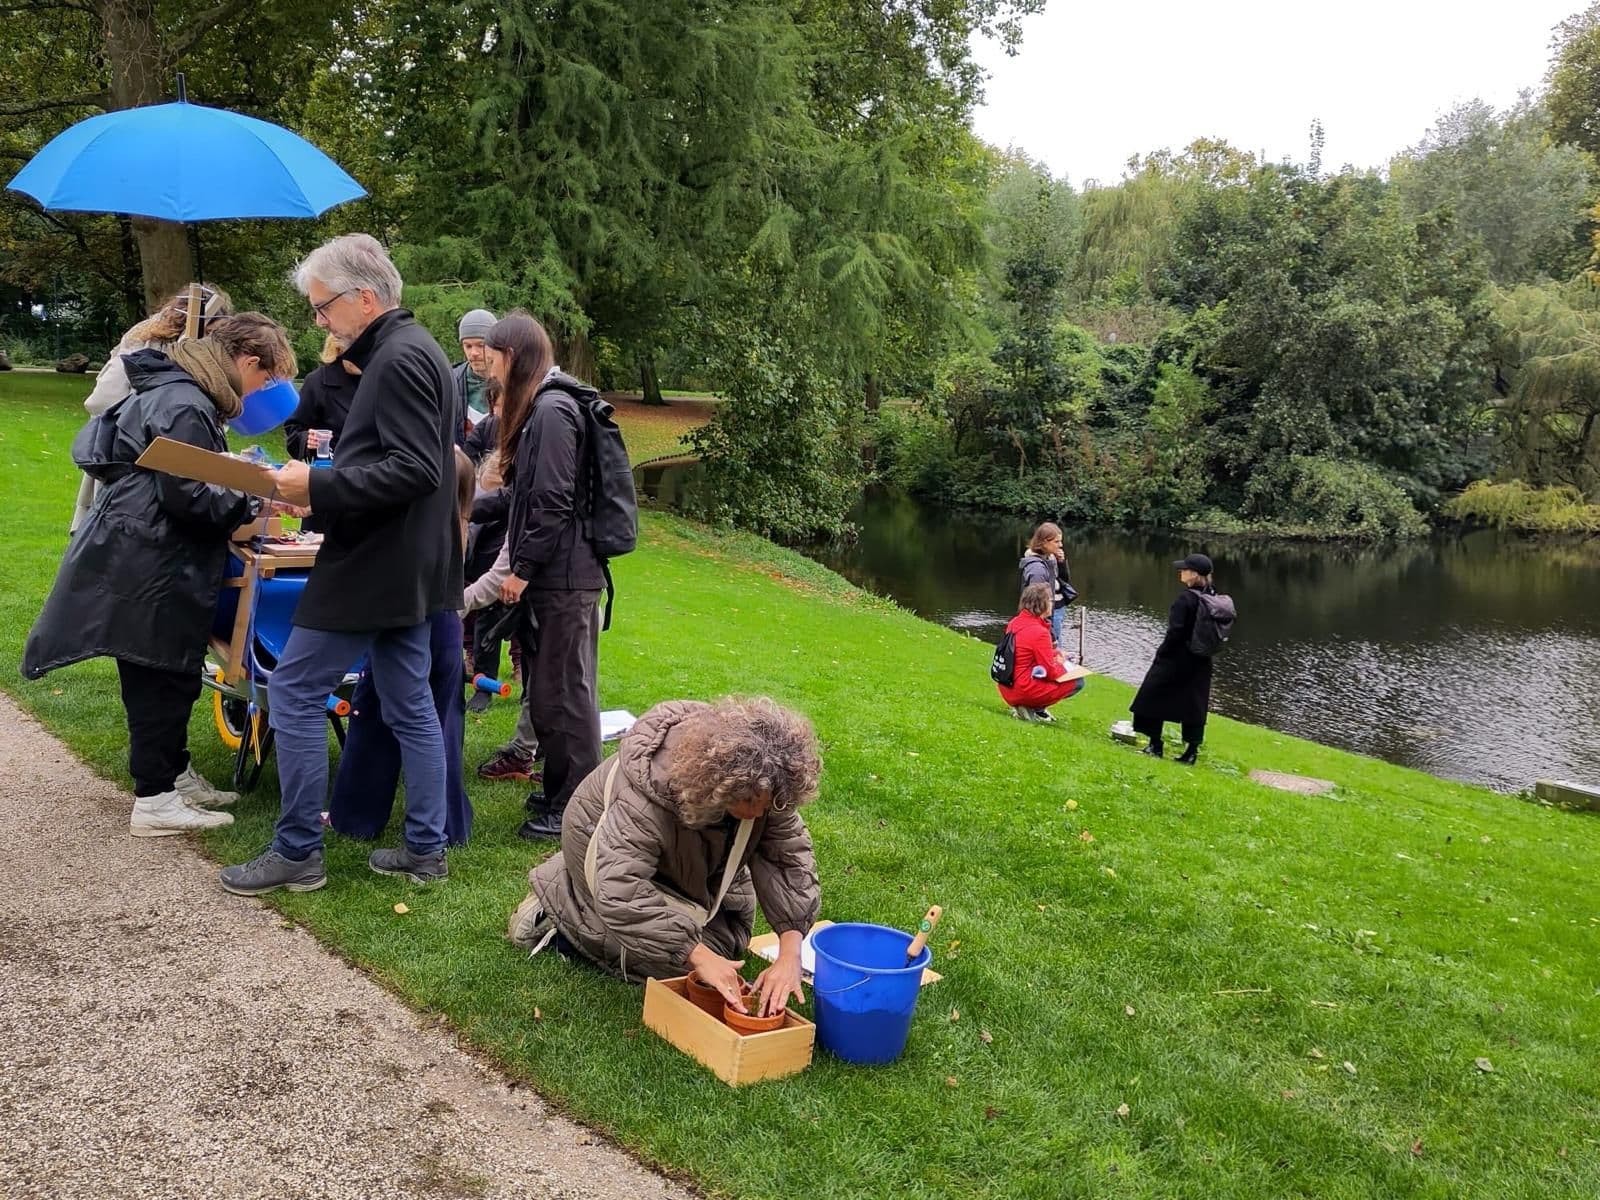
(575, 356)
(649, 382)
(133, 308)
(874, 392)
(133, 52)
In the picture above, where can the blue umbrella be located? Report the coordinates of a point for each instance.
(184, 162)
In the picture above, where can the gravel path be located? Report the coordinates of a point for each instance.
(159, 1038)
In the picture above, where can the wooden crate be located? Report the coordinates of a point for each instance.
(734, 1058)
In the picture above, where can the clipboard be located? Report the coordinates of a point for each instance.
(191, 462)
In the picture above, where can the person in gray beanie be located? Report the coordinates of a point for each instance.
(469, 374)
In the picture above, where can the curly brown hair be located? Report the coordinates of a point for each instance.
(1036, 599)
(738, 749)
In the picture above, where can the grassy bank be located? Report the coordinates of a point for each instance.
(1289, 994)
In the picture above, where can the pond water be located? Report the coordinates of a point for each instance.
(1474, 657)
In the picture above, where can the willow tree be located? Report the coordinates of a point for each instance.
(1548, 359)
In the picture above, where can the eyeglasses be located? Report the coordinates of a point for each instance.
(322, 309)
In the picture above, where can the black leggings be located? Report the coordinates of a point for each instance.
(1194, 732)
(158, 704)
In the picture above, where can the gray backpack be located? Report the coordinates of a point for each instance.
(1213, 624)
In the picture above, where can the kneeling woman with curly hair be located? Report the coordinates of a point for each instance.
(667, 848)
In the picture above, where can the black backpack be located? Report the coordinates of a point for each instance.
(1213, 624)
(612, 526)
(1003, 667)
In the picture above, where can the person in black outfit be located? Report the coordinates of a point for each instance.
(1178, 685)
(390, 559)
(140, 578)
(325, 399)
(555, 574)
(484, 540)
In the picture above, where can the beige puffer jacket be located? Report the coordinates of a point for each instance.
(629, 927)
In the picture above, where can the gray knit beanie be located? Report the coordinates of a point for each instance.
(476, 324)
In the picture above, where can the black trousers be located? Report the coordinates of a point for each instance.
(1194, 732)
(158, 704)
(563, 697)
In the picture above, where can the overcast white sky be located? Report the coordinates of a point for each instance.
(1097, 82)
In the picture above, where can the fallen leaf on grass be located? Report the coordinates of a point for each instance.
(1086, 836)
(1416, 1148)
(1315, 1053)
(990, 1112)
(537, 1015)
(1123, 1110)
(1561, 1153)
(1110, 872)
(955, 1015)
(950, 1081)
(401, 909)
(1350, 1067)
(1040, 907)
(1072, 806)
(913, 754)
(1288, 1093)
(1483, 1064)
(988, 1038)
(1127, 1009)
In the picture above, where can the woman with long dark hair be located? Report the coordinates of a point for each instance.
(556, 577)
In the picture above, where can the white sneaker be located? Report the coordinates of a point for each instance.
(196, 791)
(168, 813)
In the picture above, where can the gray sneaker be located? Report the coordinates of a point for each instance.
(269, 871)
(402, 863)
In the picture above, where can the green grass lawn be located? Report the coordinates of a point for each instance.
(1289, 994)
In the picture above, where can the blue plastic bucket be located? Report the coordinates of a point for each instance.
(266, 408)
(865, 990)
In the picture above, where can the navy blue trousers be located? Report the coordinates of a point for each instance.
(369, 768)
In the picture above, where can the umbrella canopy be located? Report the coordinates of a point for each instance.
(184, 162)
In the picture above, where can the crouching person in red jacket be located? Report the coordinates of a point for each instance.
(1041, 673)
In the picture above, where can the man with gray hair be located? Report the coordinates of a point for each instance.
(390, 559)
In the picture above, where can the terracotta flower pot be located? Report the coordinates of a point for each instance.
(748, 1022)
(704, 997)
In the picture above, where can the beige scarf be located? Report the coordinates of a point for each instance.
(213, 370)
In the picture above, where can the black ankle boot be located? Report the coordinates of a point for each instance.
(1190, 753)
(1153, 749)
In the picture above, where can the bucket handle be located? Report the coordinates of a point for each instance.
(837, 991)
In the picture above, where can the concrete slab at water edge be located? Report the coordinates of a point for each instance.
(1568, 795)
(1304, 785)
(159, 1038)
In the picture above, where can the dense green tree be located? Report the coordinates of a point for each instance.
(1572, 93)
(1509, 184)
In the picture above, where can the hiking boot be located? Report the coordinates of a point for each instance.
(506, 765)
(269, 871)
(1042, 715)
(403, 864)
(1153, 750)
(1020, 713)
(544, 826)
(479, 703)
(1191, 752)
(168, 814)
(198, 792)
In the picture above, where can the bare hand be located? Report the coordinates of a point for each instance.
(293, 481)
(279, 509)
(777, 983)
(511, 592)
(720, 973)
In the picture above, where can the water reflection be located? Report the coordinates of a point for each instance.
(1475, 657)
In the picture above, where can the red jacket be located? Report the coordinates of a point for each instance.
(1034, 648)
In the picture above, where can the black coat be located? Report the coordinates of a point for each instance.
(140, 577)
(391, 550)
(1178, 685)
(546, 503)
(1039, 568)
(325, 399)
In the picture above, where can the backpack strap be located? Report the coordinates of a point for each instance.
(611, 593)
(741, 842)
